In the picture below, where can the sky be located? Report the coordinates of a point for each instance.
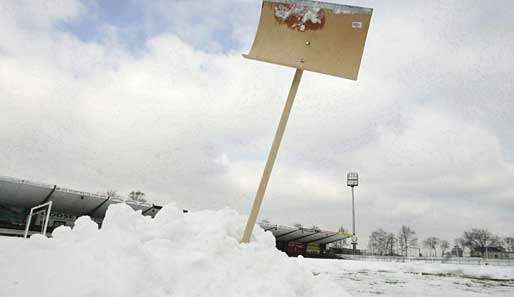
(155, 96)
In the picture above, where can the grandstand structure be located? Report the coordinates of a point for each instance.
(308, 242)
(45, 207)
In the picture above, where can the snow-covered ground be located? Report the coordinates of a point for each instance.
(199, 254)
(369, 278)
(176, 254)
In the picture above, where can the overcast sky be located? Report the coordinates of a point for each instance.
(155, 96)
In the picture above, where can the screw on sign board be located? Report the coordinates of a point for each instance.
(306, 35)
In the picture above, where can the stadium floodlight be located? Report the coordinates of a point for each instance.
(352, 180)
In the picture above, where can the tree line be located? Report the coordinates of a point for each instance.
(390, 244)
(136, 196)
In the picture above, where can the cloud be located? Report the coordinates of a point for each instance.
(187, 124)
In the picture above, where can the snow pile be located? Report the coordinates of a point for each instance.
(175, 254)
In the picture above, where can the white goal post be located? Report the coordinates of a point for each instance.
(33, 211)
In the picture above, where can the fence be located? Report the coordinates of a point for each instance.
(450, 260)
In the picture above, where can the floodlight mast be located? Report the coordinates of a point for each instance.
(352, 180)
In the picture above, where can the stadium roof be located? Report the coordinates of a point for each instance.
(27, 194)
(303, 235)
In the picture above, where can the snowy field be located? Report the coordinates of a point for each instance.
(368, 278)
(199, 254)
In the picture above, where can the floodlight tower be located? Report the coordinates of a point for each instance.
(352, 180)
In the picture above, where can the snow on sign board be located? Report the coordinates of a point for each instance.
(310, 35)
(299, 16)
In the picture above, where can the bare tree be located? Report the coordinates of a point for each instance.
(480, 239)
(341, 229)
(391, 243)
(444, 245)
(431, 243)
(382, 243)
(407, 238)
(508, 244)
(298, 225)
(376, 241)
(460, 245)
(137, 196)
(341, 243)
(112, 194)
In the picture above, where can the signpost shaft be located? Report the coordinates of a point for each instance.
(252, 219)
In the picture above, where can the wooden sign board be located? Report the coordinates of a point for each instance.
(307, 35)
(315, 36)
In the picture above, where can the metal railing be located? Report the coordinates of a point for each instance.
(444, 260)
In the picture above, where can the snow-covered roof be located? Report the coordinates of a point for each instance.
(22, 193)
(303, 235)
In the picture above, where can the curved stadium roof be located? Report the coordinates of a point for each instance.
(303, 235)
(22, 193)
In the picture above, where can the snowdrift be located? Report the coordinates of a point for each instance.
(175, 254)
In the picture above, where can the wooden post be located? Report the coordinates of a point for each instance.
(256, 207)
